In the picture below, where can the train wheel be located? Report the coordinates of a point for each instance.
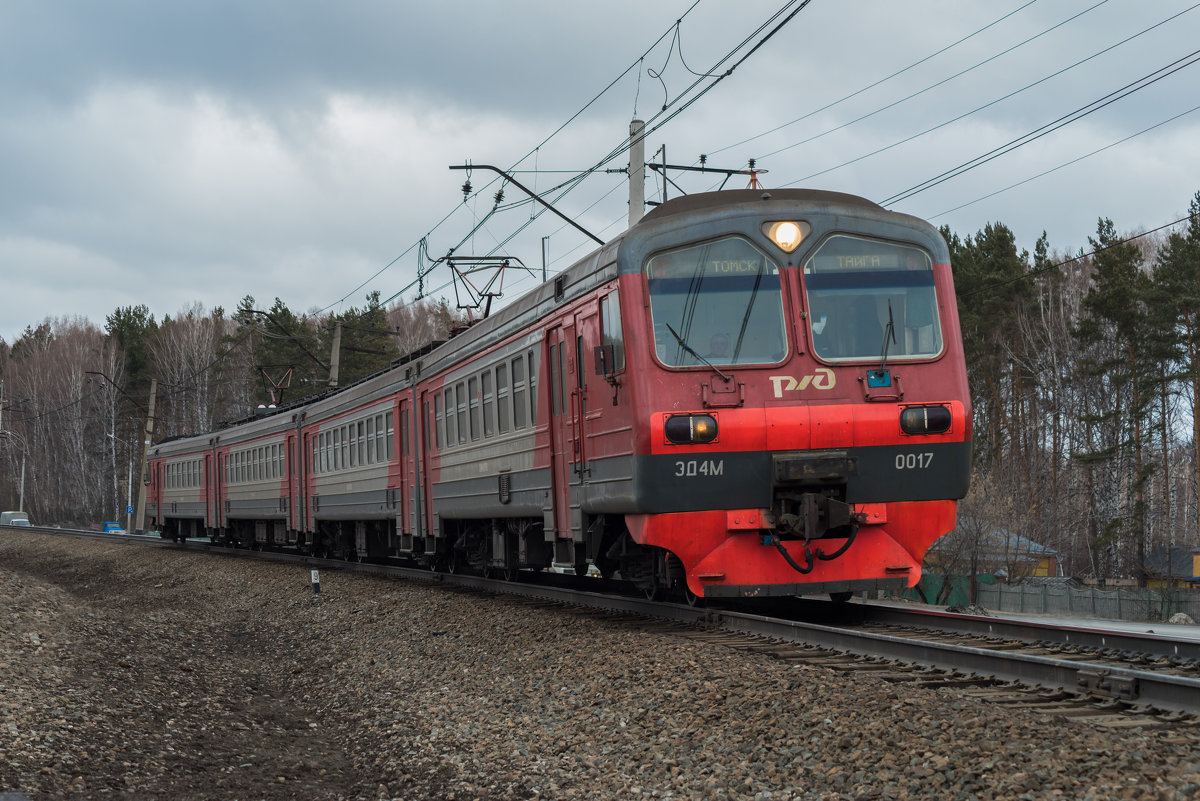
(511, 573)
(692, 598)
(840, 597)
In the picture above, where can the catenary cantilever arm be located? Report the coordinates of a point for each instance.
(527, 191)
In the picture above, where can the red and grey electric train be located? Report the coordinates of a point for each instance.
(747, 394)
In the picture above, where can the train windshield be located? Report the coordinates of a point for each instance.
(719, 302)
(856, 285)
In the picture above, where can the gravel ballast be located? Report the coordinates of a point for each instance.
(146, 673)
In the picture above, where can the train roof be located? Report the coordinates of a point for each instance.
(808, 197)
(584, 275)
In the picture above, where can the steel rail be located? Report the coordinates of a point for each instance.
(1142, 687)
(1154, 643)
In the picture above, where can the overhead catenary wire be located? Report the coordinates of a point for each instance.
(654, 123)
(672, 109)
(990, 103)
(634, 64)
(1109, 146)
(929, 88)
(879, 82)
(1050, 127)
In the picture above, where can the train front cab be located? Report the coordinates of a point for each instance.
(809, 420)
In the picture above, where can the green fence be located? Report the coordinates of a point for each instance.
(1065, 599)
(940, 590)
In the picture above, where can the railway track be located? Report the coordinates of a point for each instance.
(1108, 678)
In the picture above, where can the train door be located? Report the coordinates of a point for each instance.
(220, 488)
(210, 492)
(403, 478)
(564, 440)
(160, 492)
(584, 408)
(433, 444)
(291, 483)
(306, 463)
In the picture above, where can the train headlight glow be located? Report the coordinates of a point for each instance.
(925, 420)
(787, 234)
(687, 429)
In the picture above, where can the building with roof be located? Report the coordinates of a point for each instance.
(999, 552)
(1173, 568)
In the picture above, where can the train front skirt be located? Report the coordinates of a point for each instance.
(726, 555)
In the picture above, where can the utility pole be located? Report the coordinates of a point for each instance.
(637, 171)
(145, 471)
(335, 356)
(129, 495)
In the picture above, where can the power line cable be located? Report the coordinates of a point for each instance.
(535, 149)
(929, 88)
(868, 87)
(571, 184)
(987, 105)
(1066, 164)
(652, 125)
(1050, 127)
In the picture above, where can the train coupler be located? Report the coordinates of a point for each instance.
(811, 515)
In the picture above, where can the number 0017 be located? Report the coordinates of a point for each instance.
(913, 461)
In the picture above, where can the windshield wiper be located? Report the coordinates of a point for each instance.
(688, 348)
(881, 377)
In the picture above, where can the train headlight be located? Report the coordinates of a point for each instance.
(787, 235)
(687, 429)
(925, 420)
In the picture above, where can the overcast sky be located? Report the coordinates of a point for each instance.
(173, 153)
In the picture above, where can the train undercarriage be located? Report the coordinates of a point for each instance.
(499, 548)
(806, 528)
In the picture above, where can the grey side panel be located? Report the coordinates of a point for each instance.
(610, 487)
(477, 498)
(367, 505)
(193, 510)
(256, 509)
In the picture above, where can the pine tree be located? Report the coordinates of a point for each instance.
(1117, 330)
(1178, 274)
(285, 350)
(368, 342)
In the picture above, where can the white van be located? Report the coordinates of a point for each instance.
(14, 519)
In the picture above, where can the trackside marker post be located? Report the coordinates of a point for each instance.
(316, 582)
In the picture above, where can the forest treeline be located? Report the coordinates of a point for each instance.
(1085, 381)
(1084, 371)
(74, 397)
